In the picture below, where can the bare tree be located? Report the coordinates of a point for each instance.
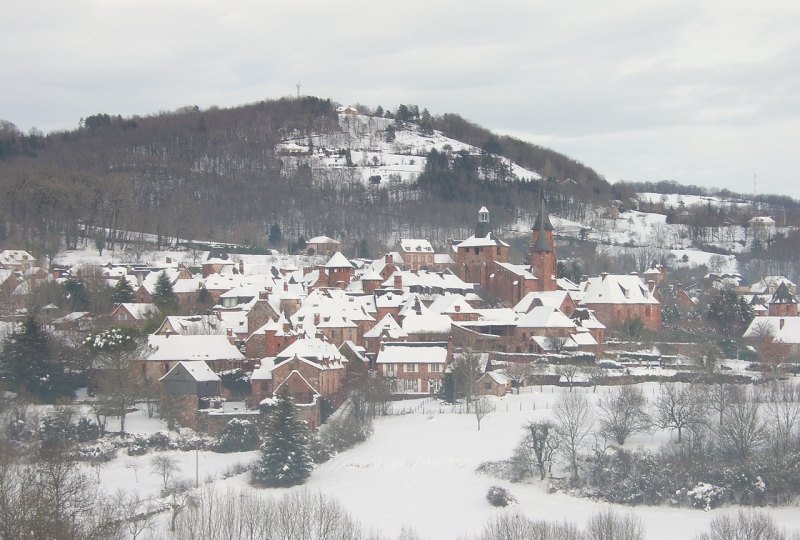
(519, 372)
(166, 467)
(520, 527)
(622, 412)
(721, 395)
(680, 407)
(573, 420)
(597, 376)
(609, 525)
(745, 525)
(742, 432)
(536, 450)
(466, 371)
(555, 341)
(782, 415)
(568, 372)
(481, 407)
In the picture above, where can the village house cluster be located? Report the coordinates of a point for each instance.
(400, 318)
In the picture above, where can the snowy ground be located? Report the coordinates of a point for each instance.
(419, 470)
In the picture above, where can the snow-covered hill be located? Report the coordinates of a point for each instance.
(374, 159)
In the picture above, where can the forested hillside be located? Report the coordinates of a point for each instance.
(215, 174)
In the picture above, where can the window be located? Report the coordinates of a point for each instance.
(412, 385)
(476, 251)
(487, 386)
(122, 317)
(411, 368)
(390, 370)
(435, 368)
(264, 386)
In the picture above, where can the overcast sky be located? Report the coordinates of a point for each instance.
(699, 92)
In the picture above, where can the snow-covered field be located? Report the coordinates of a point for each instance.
(419, 470)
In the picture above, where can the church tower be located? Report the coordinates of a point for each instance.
(543, 260)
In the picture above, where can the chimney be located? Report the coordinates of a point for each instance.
(651, 285)
(316, 319)
(604, 275)
(169, 260)
(388, 259)
(398, 281)
(458, 309)
(263, 295)
(285, 287)
(584, 277)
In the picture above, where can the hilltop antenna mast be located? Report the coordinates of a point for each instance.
(754, 186)
(298, 89)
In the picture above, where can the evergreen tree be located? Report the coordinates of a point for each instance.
(730, 312)
(164, 295)
(275, 234)
(76, 294)
(123, 292)
(447, 392)
(285, 459)
(29, 362)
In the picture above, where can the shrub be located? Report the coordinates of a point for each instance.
(706, 496)
(137, 446)
(498, 496)
(87, 430)
(238, 436)
(159, 440)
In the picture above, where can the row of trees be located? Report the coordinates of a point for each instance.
(750, 436)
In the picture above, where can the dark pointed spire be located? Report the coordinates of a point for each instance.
(542, 224)
(783, 295)
(543, 218)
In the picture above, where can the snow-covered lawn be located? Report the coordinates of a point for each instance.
(419, 470)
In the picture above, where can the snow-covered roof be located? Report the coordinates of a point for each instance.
(338, 261)
(192, 348)
(497, 377)
(482, 241)
(544, 317)
(189, 325)
(386, 327)
(617, 289)
(264, 371)
(770, 283)
(140, 310)
(782, 329)
(322, 240)
(520, 270)
(449, 304)
(415, 245)
(412, 353)
(545, 298)
(312, 349)
(427, 324)
(16, 257)
(197, 369)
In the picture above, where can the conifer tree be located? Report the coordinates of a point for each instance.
(123, 292)
(285, 459)
(30, 362)
(164, 295)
